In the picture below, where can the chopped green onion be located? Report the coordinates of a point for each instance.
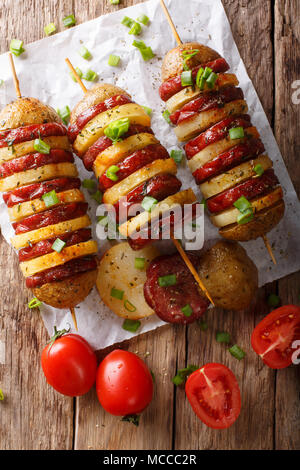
(166, 281)
(89, 184)
(147, 110)
(182, 374)
(166, 114)
(90, 75)
(204, 203)
(1, 395)
(236, 133)
(129, 306)
(139, 263)
(148, 203)
(41, 146)
(69, 21)
(245, 217)
(146, 52)
(186, 78)
(49, 29)
(143, 19)
(114, 2)
(117, 294)
(97, 196)
(201, 83)
(187, 55)
(34, 303)
(58, 245)
(203, 325)
(211, 80)
(116, 129)
(199, 76)
(1, 82)
(114, 60)
(65, 114)
(79, 73)
(242, 204)
(139, 44)
(273, 300)
(187, 310)
(259, 170)
(126, 21)
(131, 325)
(50, 199)
(237, 352)
(16, 47)
(136, 29)
(223, 337)
(111, 173)
(84, 52)
(103, 220)
(207, 72)
(177, 156)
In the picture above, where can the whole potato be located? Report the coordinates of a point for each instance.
(25, 112)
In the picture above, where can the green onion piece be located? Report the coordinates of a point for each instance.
(143, 19)
(259, 169)
(273, 300)
(89, 184)
(64, 113)
(148, 203)
(1, 82)
(50, 199)
(41, 146)
(204, 203)
(90, 75)
(199, 76)
(103, 220)
(242, 204)
(177, 156)
(84, 52)
(69, 21)
(187, 55)
(1, 395)
(79, 73)
(111, 173)
(97, 196)
(116, 129)
(114, 60)
(236, 133)
(186, 78)
(139, 44)
(136, 29)
(34, 303)
(182, 374)
(147, 53)
(117, 294)
(223, 337)
(16, 47)
(207, 72)
(245, 217)
(58, 245)
(139, 263)
(147, 110)
(202, 83)
(49, 29)
(203, 325)
(131, 325)
(166, 281)
(187, 310)
(129, 306)
(211, 81)
(114, 2)
(166, 114)
(126, 21)
(237, 352)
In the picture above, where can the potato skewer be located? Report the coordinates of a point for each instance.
(176, 243)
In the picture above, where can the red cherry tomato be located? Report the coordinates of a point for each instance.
(124, 384)
(273, 337)
(69, 365)
(214, 395)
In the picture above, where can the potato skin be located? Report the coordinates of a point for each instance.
(229, 275)
(97, 94)
(262, 223)
(173, 63)
(25, 112)
(67, 293)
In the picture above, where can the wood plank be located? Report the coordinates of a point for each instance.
(256, 381)
(287, 122)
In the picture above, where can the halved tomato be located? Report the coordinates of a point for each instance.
(214, 395)
(273, 337)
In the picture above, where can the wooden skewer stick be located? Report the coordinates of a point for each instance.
(176, 35)
(268, 246)
(18, 93)
(176, 242)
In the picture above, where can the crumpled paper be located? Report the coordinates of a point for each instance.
(43, 74)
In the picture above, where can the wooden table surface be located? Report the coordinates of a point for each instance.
(33, 416)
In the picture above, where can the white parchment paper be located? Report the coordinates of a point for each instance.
(43, 74)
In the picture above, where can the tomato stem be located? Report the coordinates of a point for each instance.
(57, 334)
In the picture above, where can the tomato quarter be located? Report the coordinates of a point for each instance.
(273, 337)
(214, 395)
(124, 384)
(69, 365)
